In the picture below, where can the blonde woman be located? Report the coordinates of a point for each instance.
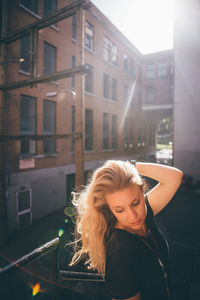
(116, 229)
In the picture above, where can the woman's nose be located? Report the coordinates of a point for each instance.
(132, 215)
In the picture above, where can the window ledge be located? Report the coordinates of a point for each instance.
(110, 100)
(89, 151)
(110, 64)
(89, 94)
(109, 150)
(29, 155)
(89, 50)
(37, 16)
(24, 72)
(29, 11)
(55, 82)
(46, 155)
(74, 40)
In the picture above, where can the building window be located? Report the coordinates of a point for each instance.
(105, 131)
(162, 69)
(50, 6)
(125, 93)
(106, 49)
(30, 4)
(140, 73)
(49, 126)
(89, 80)
(73, 126)
(150, 94)
(126, 133)
(131, 133)
(73, 66)
(25, 44)
(114, 132)
(74, 27)
(88, 129)
(139, 134)
(150, 71)
(89, 36)
(171, 67)
(110, 51)
(132, 69)
(125, 60)
(49, 58)
(114, 89)
(144, 133)
(113, 58)
(106, 85)
(171, 92)
(152, 132)
(27, 123)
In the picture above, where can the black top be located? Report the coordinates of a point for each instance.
(137, 264)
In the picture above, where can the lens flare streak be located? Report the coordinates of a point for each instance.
(36, 289)
(128, 103)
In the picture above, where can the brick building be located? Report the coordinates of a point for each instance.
(114, 109)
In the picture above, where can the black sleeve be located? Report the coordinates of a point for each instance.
(123, 274)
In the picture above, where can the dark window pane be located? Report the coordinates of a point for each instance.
(132, 67)
(89, 36)
(105, 131)
(30, 4)
(88, 129)
(74, 26)
(126, 133)
(25, 53)
(49, 7)
(105, 85)
(49, 58)
(23, 200)
(89, 81)
(114, 131)
(114, 89)
(49, 125)
(27, 122)
(73, 66)
(73, 124)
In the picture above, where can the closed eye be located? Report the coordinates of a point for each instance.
(136, 202)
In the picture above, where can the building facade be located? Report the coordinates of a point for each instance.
(187, 91)
(113, 110)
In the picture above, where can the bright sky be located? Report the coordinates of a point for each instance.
(148, 24)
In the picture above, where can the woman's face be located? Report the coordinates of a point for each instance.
(128, 206)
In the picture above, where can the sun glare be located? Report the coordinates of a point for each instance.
(148, 24)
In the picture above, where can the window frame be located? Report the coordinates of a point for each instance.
(23, 3)
(105, 131)
(89, 80)
(162, 69)
(89, 132)
(89, 36)
(29, 143)
(25, 66)
(51, 141)
(46, 59)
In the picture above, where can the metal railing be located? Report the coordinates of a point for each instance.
(75, 285)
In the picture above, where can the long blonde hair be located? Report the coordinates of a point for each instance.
(94, 218)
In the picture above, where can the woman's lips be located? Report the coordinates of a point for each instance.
(135, 223)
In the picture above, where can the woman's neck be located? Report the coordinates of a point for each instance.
(140, 232)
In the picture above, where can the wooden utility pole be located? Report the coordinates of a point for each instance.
(80, 106)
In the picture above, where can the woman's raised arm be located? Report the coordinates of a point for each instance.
(169, 179)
